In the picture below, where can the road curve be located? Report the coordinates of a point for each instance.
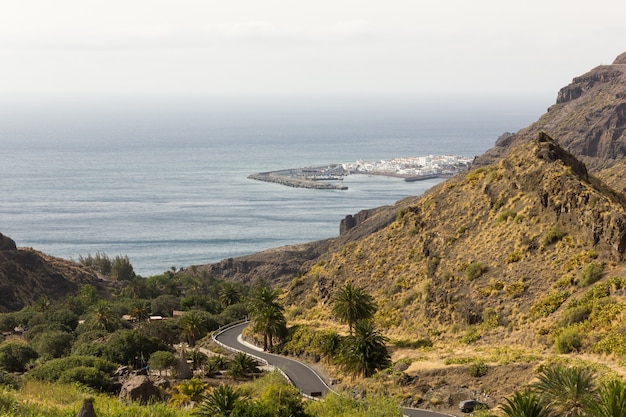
(302, 376)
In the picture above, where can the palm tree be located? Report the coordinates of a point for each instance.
(219, 403)
(103, 316)
(566, 390)
(193, 326)
(610, 401)
(241, 365)
(198, 359)
(267, 316)
(141, 312)
(136, 288)
(229, 294)
(352, 304)
(365, 352)
(525, 404)
(270, 322)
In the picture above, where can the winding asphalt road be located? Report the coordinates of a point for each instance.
(302, 376)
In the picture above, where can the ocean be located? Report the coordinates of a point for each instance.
(165, 183)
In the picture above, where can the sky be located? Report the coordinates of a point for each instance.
(206, 48)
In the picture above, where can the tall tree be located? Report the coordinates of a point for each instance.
(352, 304)
(365, 352)
(267, 316)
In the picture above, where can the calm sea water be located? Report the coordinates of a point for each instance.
(166, 184)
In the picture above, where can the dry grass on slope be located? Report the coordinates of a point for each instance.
(487, 257)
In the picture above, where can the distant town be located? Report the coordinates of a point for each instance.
(331, 176)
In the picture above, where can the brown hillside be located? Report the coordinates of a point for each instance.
(26, 275)
(488, 244)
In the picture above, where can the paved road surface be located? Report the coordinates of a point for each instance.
(303, 377)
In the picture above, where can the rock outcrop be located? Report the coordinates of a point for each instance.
(87, 409)
(6, 243)
(588, 119)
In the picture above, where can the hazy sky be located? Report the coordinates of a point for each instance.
(52, 48)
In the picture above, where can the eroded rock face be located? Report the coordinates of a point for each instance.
(140, 388)
(6, 243)
(588, 119)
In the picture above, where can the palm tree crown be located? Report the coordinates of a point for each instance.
(566, 390)
(352, 304)
(365, 352)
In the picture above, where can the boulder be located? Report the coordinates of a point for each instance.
(139, 388)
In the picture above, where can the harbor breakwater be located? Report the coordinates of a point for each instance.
(296, 182)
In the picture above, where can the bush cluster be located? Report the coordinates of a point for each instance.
(590, 274)
(475, 270)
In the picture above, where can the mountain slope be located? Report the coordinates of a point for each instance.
(486, 245)
(26, 275)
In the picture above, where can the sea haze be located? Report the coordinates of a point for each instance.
(164, 182)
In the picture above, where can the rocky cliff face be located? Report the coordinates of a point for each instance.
(281, 265)
(588, 119)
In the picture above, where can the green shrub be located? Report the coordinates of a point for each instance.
(474, 270)
(460, 361)
(552, 236)
(9, 380)
(413, 344)
(53, 344)
(52, 370)
(498, 205)
(505, 215)
(471, 335)
(86, 375)
(575, 315)
(514, 289)
(614, 343)
(568, 341)
(590, 274)
(14, 356)
(548, 304)
(478, 368)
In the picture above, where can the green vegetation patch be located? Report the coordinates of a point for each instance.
(553, 235)
(590, 274)
(52, 370)
(475, 270)
(569, 340)
(548, 304)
